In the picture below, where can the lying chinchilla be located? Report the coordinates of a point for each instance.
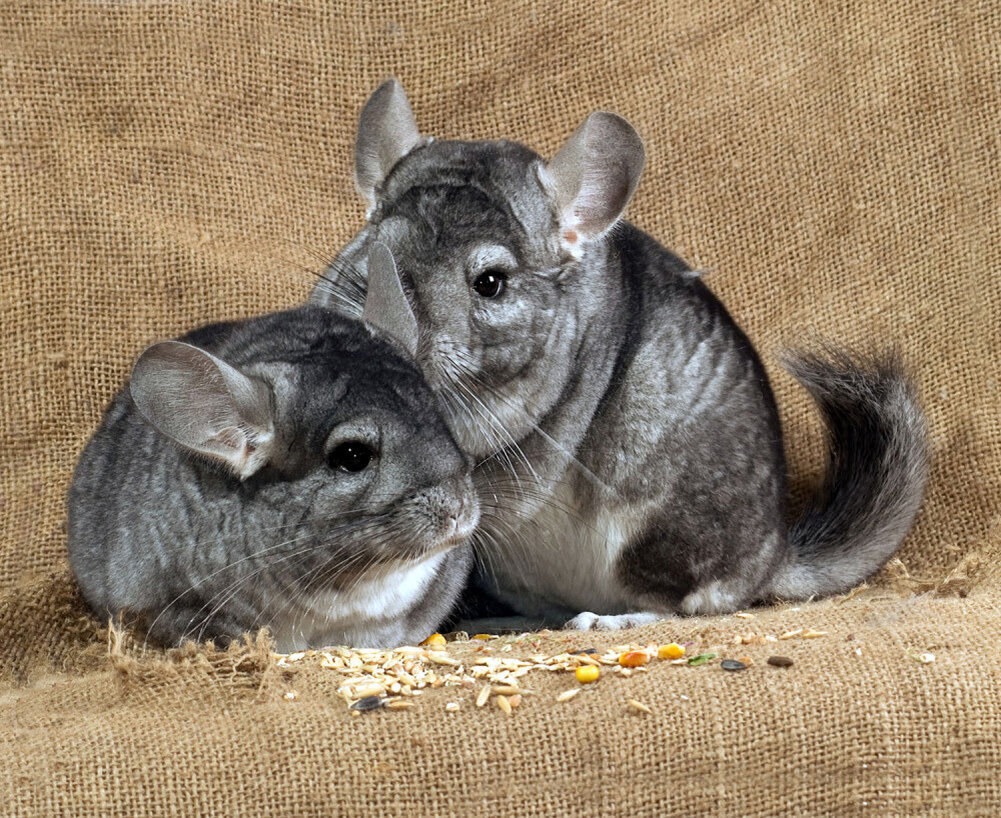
(290, 471)
(632, 455)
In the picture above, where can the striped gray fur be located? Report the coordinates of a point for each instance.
(630, 453)
(217, 496)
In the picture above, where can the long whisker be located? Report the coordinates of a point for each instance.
(329, 573)
(263, 552)
(547, 437)
(492, 418)
(293, 587)
(346, 518)
(472, 408)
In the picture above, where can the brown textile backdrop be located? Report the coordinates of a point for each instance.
(834, 166)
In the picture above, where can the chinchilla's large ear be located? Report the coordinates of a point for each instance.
(205, 405)
(386, 133)
(593, 176)
(386, 307)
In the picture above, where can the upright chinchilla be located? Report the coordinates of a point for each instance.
(632, 462)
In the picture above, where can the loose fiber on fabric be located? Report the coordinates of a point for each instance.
(856, 726)
(834, 167)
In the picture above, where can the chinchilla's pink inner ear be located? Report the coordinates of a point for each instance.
(205, 405)
(592, 177)
(386, 306)
(386, 133)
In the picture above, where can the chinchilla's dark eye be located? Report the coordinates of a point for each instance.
(351, 455)
(490, 283)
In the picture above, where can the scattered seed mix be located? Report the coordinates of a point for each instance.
(393, 679)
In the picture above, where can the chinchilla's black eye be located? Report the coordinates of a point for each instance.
(490, 283)
(351, 455)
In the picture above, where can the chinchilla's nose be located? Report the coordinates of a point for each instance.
(451, 507)
(467, 508)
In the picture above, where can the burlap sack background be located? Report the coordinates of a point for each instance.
(835, 168)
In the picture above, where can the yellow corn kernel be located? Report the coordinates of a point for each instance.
(672, 651)
(587, 673)
(434, 640)
(634, 658)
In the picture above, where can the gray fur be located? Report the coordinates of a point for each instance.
(387, 117)
(594, 175)
(878, 461)
(631, 455)
(170, 527)
(386, 306)
(205, 405)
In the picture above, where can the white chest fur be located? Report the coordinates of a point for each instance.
(360, 615)
(563, 559)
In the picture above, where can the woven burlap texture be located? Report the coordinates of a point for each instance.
(834, 168)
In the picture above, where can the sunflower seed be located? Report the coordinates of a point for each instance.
(367, 703)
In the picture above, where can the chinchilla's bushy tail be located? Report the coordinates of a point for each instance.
(878, 462)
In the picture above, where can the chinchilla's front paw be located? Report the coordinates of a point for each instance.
(588, 621)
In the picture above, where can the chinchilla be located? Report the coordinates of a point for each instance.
(292, 471)
(632, 463)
